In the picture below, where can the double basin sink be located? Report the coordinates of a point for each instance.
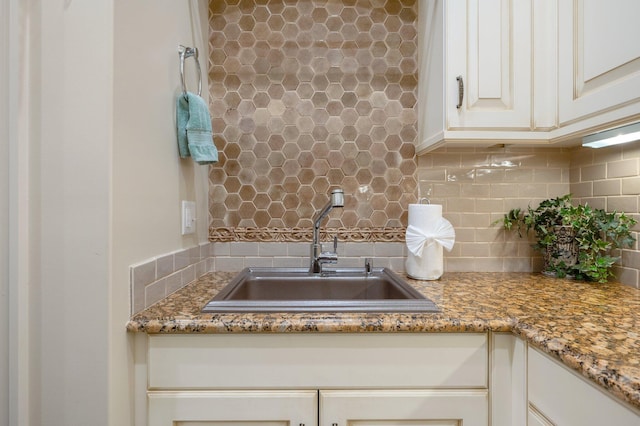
(337, 290)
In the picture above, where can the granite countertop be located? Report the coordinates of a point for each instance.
(592, 328)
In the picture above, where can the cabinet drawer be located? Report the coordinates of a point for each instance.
(240, 408)
(279, 361)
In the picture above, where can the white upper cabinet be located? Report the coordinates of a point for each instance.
(533, 72)
(478, 82)
(489, 52)
(599, 60)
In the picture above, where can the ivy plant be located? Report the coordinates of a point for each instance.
(595, 232)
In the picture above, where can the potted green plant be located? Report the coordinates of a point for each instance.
(575, 240)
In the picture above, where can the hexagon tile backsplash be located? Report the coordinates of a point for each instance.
(307, 95)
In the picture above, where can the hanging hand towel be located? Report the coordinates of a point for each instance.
(194, 129)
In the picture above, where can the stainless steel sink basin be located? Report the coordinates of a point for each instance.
(340, 290)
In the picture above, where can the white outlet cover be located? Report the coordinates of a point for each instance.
(188, 217)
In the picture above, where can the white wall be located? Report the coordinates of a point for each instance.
(73, 126)
(149, 179)
(15, 217)
(95, 186)
(4, 213)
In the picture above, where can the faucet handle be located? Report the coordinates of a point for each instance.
(335, 246)
(368, 265)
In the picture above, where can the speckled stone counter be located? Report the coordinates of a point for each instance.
(592, 328)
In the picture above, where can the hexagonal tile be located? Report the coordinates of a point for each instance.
(305, 96)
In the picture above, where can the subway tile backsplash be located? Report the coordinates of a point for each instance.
(608, 178)
(156, 278)
(153, 280)
(477, 186)
(456, 179)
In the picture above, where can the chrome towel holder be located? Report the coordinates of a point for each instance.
(184, 53)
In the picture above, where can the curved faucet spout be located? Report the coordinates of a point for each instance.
(317, 256)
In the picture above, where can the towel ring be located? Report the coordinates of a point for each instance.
(184, 53)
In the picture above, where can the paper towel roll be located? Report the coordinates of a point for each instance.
(427, 231)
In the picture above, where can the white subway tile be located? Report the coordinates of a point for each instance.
(174, 282)
(463, 205)
(358, 249)
(259, 262)
(244, 249)
(272, 249)
(607, 187)
(517, 264)
(460, 264)
(182, 259)
(461, 175)
(229, 264)
(631, 186)
(484, 205)
(478, 250)
(593, 172)
(582, 189)
(533, 190)
(144, 273)
(475, 190)
(518, 175)
(299, 249)
(388, 249)
(490, 175)
(201, 268)
(547, 175)
(165, 265)
(558, 189)
(220, 249)
(624, 168)
(188, 274)
(487, 264)
(155, 292)
(476, 220)
(622, 204)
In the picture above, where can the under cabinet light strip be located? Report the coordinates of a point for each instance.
(611, 137)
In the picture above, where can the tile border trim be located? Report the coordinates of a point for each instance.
(228, 234)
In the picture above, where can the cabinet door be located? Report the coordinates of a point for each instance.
(536, 418)
(489, 46)
(599, 57)
(404, 408)
(560, 397)
(242, 408)
(508, 378)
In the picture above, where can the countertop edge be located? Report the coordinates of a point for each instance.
(534, 316)
(607, 378)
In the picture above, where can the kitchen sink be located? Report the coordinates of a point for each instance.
(337, 290)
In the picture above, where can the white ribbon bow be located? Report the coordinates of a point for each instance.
(440, 232)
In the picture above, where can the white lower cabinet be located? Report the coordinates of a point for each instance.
(362, 379)
(315, 379)
(560, 397)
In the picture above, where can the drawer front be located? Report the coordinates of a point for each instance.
(278, 361)
(239, 408)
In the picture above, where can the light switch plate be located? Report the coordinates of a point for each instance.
(188, 217)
